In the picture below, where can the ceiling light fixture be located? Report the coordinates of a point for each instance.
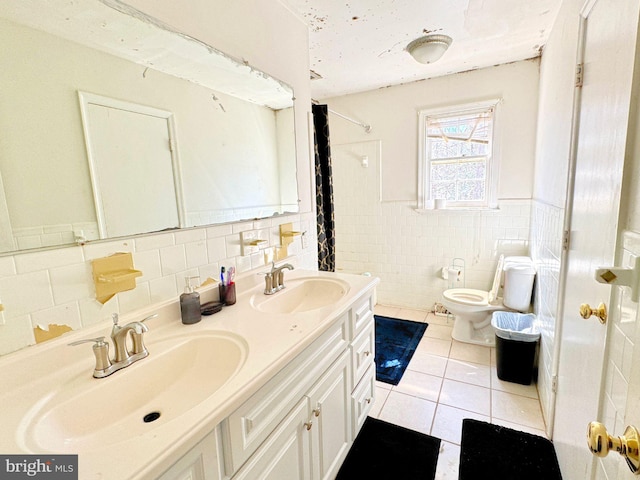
(430, 48)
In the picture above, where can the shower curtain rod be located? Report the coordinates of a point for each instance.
(367, 127)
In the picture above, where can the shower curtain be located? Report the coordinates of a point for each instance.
(324, 190)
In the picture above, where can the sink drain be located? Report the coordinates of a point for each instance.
(151, 417)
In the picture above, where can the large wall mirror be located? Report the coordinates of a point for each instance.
(229, 130)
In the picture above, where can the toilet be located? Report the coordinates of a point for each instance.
(473, 308)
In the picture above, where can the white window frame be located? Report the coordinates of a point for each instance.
(424, 200)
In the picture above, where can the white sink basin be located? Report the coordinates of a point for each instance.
(301, 295)
(179, 373)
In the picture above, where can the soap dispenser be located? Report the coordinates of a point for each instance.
(190, 304)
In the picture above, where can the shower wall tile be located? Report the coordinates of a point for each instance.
(623, 317)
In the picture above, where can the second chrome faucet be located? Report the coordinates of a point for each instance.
(274, 279)
(124, 356)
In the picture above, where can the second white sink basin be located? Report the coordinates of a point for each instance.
(179, 373)
(301, 295)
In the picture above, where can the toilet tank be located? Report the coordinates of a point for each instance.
(519, 273)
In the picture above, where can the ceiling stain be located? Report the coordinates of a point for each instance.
(485, 32)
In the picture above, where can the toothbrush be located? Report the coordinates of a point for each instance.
(222, 275)
(231, 275)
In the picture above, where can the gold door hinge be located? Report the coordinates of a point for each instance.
(579, 74)
(566, 238)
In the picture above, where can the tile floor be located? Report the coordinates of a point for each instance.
(447, 381)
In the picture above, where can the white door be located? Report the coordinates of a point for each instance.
(131, 164)
(609, 48)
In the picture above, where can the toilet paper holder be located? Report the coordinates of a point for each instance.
(454, 273)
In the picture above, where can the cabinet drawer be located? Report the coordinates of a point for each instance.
(362, 313)
(362, 398)
(246, 428)
(363, 352)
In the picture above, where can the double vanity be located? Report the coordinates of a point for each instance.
(274, 387)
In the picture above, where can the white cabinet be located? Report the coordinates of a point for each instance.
(202, 462)
(301, 424)
(314, 438)
(256, 419)
(286, 453)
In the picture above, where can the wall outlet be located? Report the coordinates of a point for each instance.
(305, 240)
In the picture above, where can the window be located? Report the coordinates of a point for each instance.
(458, 160)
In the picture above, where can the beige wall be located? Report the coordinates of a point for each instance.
(393, 114)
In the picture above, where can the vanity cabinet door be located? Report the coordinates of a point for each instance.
(287, 453)
(330, 421)
(202, 462)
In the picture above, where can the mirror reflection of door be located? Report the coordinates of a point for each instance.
(133, 165)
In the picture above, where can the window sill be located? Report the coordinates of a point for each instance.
(457, 209)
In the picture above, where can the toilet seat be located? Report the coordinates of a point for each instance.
(467, 296)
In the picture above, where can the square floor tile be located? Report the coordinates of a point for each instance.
(442, 332)
(522, 428)
(420, 385)
(468, 372)
(517, 409)
(448, 462)
(434, 346)
(470, 353)
(413, 315)
(530, 391)
(438, 320)
(386, 311)
(427, 363)
(383, 385)
(381, 398)
(447, 422)
(465, 396)
(408, 411)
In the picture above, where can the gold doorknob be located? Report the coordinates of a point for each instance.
(601, 312)
(600, 443)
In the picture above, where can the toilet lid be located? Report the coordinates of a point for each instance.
(467, 296)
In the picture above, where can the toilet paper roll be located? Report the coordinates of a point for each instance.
(454, 273)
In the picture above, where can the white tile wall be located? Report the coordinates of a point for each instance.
(56, 286)
(623, 316)
(407, 250)
(546, 248)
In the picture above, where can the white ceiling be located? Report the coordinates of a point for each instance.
(359, 45)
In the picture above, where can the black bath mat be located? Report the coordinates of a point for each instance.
(500, 453)
(396, 341)
(383, 450)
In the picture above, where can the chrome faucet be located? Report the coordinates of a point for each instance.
(123, 355)
(274, 279)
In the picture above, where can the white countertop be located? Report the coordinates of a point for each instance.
(32, 375)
